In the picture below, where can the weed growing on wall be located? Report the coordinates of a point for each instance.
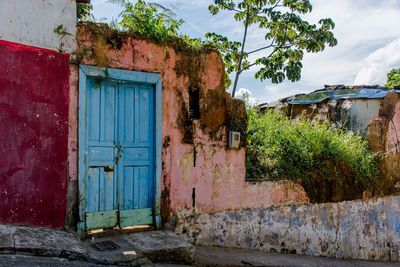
(83, 12)
(306, 150)
(152, 20)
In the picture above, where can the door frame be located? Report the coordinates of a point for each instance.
(154, 79)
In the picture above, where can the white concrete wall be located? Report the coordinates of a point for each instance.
(362, 112)
(32, 22)
(360, 229)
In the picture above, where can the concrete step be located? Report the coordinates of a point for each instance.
(163, 246)
(41, 242)
(135, 249)
(142, 248)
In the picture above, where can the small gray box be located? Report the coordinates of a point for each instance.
(234, 139)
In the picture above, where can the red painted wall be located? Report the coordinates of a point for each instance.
(33, 135)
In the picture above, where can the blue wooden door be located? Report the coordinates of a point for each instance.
(119, 184)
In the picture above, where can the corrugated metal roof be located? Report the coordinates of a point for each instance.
(335, 92)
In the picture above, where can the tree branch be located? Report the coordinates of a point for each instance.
(277, 4)
(248, 67)
(270, 55)
(262, 48)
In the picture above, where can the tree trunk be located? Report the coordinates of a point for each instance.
(239, 71)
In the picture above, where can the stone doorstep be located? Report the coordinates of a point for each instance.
(152, 246)
(125, 254)
(135, 249)
(41, 242)
(163, 246)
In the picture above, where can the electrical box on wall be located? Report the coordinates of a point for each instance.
(234, 139)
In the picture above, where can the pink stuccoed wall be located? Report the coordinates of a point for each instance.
(219, 179)
(215, 172)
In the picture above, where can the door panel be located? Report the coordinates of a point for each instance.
(136, 217)
(145, 113)
(105, 219)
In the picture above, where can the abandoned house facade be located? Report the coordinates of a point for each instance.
(85, 109)
(104, 129)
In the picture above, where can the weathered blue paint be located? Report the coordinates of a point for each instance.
(119, 145)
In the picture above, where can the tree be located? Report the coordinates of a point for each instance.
(393, 78)
(287, 36)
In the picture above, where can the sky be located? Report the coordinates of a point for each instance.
(368, 43)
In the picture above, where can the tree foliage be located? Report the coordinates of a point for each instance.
(393, 78)
(148, 19)
(83, 11)
(287, 36)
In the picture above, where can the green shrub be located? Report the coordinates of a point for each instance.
(83, 11)
(153, 21)
(280, 148)
(393, 78)
(150, 20)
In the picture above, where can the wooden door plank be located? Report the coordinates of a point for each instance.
(136, 217)
(104, 219)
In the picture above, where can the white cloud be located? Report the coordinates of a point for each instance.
(378, 63)
(246, 95)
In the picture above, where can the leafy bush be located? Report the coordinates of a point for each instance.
(278, 147)
(393, 78)
(83, 11)
(152, 20)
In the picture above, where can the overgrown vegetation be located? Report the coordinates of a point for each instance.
(393, 78)
(153, 21)
(308, 151)
(148, 19)
(83, 11)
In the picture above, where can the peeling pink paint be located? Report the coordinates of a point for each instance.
(219, 180)
(218, 175)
